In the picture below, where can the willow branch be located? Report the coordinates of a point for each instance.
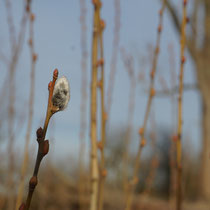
(30, 114)
(93, 132)
(179, 126)
(142, 130)
(101, 83)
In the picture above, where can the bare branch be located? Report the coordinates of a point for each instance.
(190, 42)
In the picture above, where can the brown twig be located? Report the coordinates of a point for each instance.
(93, 107)
(142, 130)
(15, 53)
(31, 106)
(179, 126)
(101, 143)
(43, 145)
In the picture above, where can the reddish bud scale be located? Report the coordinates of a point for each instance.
(32, 17)
(152, 92)
(55, 73)
(143, 142)
(104, 173)
(30, 42)
(100, 145)
(49, 85)
(159, 28)
(157, 50)
(28, 8)
(183, 59)
(33, 182)
(34, 57)
(152, 74)
(39, 133)
(187, 19)
(99, 84)
(100, 62)
(46, 147)
(161, 12)
(105, 116)
(141, 131)
(102, 24)
(185, 2)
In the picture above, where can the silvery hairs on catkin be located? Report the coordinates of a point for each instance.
(61, 93)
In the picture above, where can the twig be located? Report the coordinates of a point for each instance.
(55, 103)
(101, 143)
(179, 127)
(15, 53)
(142, 130)
(30, 114)
(93, 132)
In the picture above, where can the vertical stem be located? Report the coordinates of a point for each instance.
(43, 144)
(93, 132)
(15, 50)
(31, 104)
(179, 127)
(142, 130)
(103, 115)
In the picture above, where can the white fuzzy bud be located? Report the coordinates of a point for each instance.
(61, 93)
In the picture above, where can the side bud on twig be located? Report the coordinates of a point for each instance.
(46, 147)
(39, 134)
(33, 182)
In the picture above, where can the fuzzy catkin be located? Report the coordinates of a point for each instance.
(61, 93)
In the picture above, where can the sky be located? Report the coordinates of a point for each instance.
(57, 43)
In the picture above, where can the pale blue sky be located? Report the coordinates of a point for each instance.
(57, 43)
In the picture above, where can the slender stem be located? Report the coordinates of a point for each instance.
(179, 128)
(93, 132)
(142, 130)
(103, 116)
(43, 144)
(31, 106)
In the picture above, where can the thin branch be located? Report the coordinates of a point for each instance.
(30, 114)
(93, 107)
(102, 142)
(190, 42)
(142, 130)
(180, 106)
